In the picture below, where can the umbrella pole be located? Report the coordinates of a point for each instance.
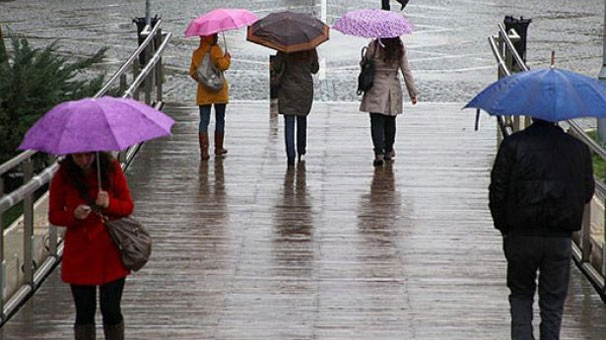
(98, 161)
(224, 41)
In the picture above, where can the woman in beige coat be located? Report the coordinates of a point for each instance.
(384, 100)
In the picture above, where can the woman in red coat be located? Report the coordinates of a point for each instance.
(90, 258)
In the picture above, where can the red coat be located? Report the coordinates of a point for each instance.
(89, 256)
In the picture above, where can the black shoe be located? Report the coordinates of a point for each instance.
(378, 160)
(301, 158)
(290, 161)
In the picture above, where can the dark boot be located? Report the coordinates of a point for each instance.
(114, 332)
(203, 139)
(85, 332)
(219, 138)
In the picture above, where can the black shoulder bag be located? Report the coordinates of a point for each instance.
(366, 77)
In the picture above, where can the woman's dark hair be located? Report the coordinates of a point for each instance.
(393, 50)
(75, 175)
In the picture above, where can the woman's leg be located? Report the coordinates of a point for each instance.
(203, 130)
(301, 136)
(390, 136)
(289, 138)
(110, 297)
(377, 131)
(85, 299)
(220, 129)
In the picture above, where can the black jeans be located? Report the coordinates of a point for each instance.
(383, 132)
(551, 257)
(110, 296)
(385, 5)
(289, 135)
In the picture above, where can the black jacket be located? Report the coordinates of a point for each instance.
(540, 182)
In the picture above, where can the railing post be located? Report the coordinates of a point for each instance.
(159, 71)
(586, 234)
(28, 226)
(2, 260)
(136, 70)
(149, 79)
(123, 85)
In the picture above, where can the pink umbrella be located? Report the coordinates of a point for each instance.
(373, 23)
(220, 20)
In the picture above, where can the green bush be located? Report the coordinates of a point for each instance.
(34, 80)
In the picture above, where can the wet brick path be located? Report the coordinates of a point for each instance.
(247, 248)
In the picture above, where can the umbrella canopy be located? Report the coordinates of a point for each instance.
(549, 94)
(220, 20)
(373, 23)
(288, 32)
(101, 124)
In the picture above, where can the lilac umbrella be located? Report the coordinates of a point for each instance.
(220, 20)
(373, 23)
(102, 124)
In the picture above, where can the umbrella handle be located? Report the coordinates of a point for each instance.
(477, 119)
(224, 41)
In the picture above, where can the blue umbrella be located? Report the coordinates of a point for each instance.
(549, 94)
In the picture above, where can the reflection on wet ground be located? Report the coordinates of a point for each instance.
(333, 248)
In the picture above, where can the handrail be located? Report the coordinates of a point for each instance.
(511, 48)
(150, 37)
(150, 75)
(148, 68)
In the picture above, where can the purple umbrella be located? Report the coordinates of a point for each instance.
(102, 124)
(373, 23)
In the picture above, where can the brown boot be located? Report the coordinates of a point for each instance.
(203, 139)
(219, 138)
(114, 332)
(85, 332)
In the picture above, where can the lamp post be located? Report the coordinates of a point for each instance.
(602, 77)
(147, 12)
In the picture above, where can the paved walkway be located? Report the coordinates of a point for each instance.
(246, 248)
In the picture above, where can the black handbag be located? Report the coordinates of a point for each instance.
(366, 78)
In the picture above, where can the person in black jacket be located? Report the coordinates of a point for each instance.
(385, 4)
(540, 182)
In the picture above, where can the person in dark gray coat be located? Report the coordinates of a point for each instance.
(540, 182)
(295, 97)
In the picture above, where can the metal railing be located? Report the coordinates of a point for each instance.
(148, 79)
(588, 252)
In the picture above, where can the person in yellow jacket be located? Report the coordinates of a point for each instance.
(206, 98)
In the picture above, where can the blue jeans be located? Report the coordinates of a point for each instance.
(205, 118)
(383, 132)
(289, 135)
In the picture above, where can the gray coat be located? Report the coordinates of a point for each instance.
(385, 96)
(296, 86)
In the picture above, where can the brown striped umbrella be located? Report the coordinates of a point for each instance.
(288, 32)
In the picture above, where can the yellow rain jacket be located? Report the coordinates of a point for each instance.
(222, 61)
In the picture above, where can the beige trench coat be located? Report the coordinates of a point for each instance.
(385, 96)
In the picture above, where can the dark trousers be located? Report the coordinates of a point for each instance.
(205, 118)
(110, 296)
(383, 132)
(385, 5)
(526, 255)
(289, 135)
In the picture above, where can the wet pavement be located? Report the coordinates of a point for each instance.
(449, 52)
(247, 248)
